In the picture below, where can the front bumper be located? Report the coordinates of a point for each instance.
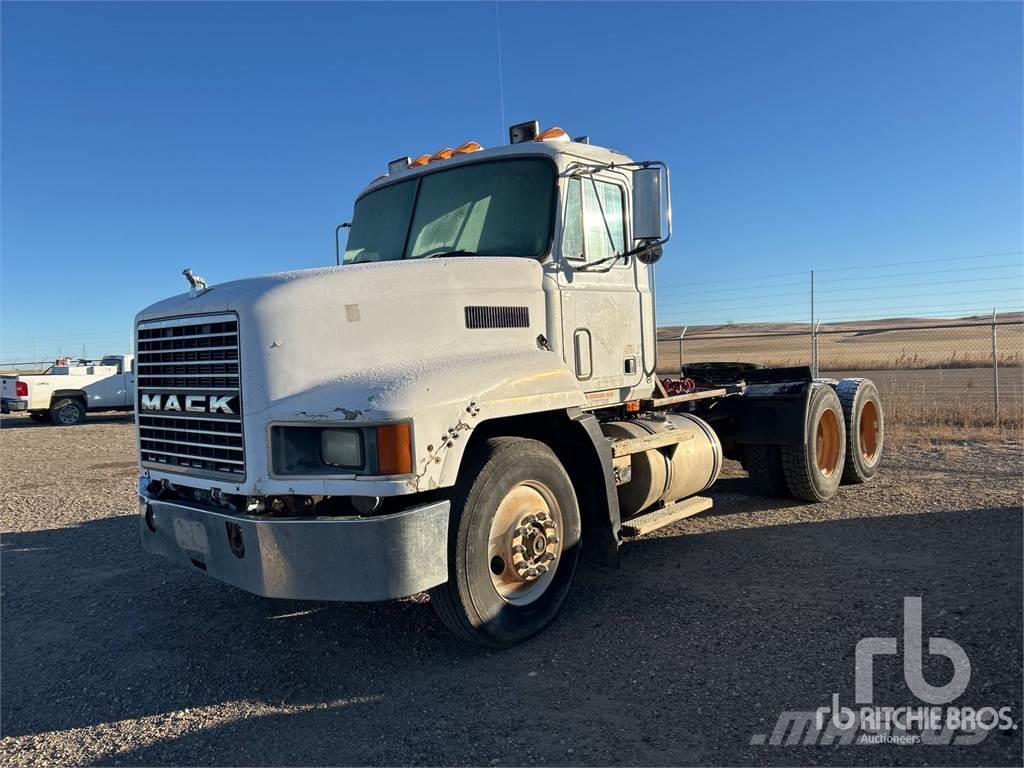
(349, 559)
(7, 405)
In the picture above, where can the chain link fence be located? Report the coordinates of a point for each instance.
(930, 374)
(13, 368)
(943, 338)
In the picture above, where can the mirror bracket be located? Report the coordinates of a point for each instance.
(650, 252)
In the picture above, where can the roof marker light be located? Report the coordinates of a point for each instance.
(442, 154)
(469, 146)
(553, 134)
(420, 161)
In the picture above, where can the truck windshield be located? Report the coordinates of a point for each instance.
(492, 208)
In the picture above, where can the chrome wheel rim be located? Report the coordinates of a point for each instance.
(525, 543)
(68, 414)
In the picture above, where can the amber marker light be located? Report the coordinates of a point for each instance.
(394, 449)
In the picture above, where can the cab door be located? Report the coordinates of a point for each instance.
(602, 332)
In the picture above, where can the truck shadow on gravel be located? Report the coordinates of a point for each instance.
(696, 643)
(738, 495)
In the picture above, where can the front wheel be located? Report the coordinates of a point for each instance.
(67, 412)
(514, 542)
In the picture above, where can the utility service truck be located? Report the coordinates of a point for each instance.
(68, 390)
(467, 403)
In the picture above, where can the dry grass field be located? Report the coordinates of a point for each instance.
(900, 343)
(930, 376)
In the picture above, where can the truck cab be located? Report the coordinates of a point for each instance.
(562, 205)
(460, 405)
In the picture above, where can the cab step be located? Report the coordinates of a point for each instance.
(659, 518)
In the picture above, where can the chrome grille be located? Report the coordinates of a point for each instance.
(180, 364)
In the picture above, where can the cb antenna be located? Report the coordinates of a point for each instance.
(501, 85)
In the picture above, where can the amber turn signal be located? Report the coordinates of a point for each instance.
(394, 449)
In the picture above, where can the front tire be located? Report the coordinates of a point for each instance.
(67, 412)
(514, 543)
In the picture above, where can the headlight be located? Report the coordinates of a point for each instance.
(342, 448)
(380, 450)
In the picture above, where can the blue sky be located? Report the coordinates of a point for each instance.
(140, 138)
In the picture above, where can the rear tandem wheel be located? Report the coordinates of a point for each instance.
(811, 471)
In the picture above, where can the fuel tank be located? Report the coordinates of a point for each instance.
(672, 472)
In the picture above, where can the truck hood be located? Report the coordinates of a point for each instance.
(301, 330)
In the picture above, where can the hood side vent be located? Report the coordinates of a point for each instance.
(497, 317)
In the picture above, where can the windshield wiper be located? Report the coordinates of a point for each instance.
(445, 254)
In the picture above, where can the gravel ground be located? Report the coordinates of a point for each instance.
(710, 629)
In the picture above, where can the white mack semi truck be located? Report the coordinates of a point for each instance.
(467, 403)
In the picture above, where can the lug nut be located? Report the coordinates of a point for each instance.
(519, 548)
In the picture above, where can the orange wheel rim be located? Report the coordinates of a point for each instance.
(828, 447)
(868, 431)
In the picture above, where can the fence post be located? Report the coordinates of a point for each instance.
(995, 369)
(814, 340)
(814, 351)
(681, 335)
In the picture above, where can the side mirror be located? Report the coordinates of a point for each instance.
(652, 202)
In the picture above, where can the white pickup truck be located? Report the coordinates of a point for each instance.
(65, 392)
